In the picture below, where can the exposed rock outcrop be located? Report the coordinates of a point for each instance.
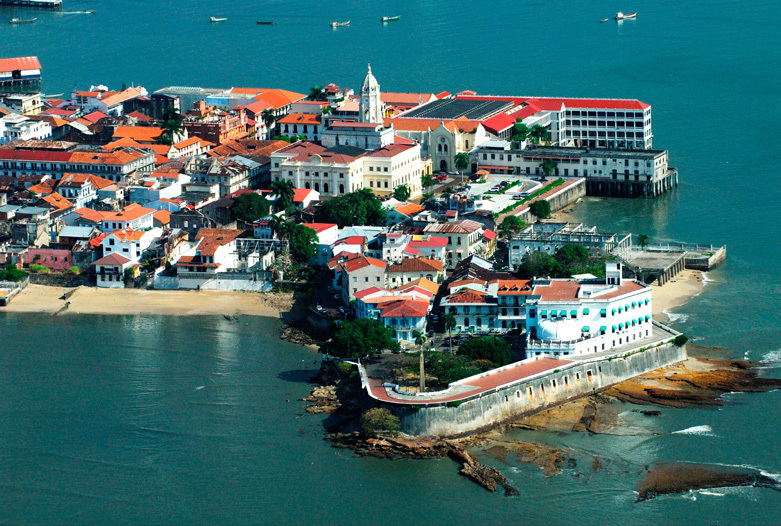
(679, 477)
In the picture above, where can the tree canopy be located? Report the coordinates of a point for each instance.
(572, 255)
(539, 134)
(511, 226)
(379, 420)
(353, 209)
(491, 348)
(285, 192)
(401, 192)
(11, 273)
(568, 260)
(318, 94)
(540, 208)
(359, 338)
(250, 207)
(427, 180)
(520, 131)
(303, 242)
(462, 161)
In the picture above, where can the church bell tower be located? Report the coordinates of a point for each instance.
(370, 104)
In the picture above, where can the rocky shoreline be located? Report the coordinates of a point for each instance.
(698, 382)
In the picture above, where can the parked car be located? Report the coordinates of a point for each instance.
(525, 194)
(517, 197)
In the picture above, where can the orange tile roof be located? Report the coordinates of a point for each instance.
(301, 118)
(144, 134)
(122, 156)
(467, 296)
(22, 63)
(213, 238)
(404, 309)
(93, 215)
(58, 201)
(425, 284)
(122, 143)
(187, 142)
(359, 262)
(514, 287)
(43, 188)
(116, 98)
(464, 282)
(130, 213)
(409, 209)
(128, 234)
(279, 98)
(162, 216)
(98, 183)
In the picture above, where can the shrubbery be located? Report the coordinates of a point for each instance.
(378, 421)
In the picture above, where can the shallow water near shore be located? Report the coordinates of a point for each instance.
(160, 420)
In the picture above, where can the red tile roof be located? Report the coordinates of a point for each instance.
(514, 287)
(301, 118)
(404, 308)
(366, 292)
(58, 201)
(112, 259)
(162, 216)
(391, 150)
(409, 209)
(300, 194)
(128, 234)
(213, 238)
(95, 116)
(143, 134)
(319, 227)
(467, 296)
(489, 234)
(359, 262)
(416, 265)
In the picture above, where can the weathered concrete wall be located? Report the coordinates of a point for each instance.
(532, 394)
(225, 284)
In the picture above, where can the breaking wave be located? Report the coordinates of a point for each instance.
(705, 431)
(674, 317)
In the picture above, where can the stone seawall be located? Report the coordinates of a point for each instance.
(531, 394)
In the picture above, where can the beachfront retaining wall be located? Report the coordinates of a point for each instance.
(531, 394)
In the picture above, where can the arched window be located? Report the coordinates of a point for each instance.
(439, 147)
(307, 185)
(295, 128)
(325, 188)
(317, 187)
(341, 188)
(479, 322)
(445, 148)
(466, 322)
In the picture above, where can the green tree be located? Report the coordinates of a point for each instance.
(11, 273)
(427, 180)
(572, 256)
(491, 348)
(250, 207)
(128, 275)
(378, 421)
(173, 126)
(281, 138)
(540, 208)
(511, 226)
(285, 192)
(327, 110)
(642, 240)
(268, 118)
(450, 324)
(520, 131)
(278, 226)
(539, 134)
(401, 192)
(462, 161)
(548, 167)
(303, 242)
(359, 338)
(318, 94)
(540, 264)
(353, 209)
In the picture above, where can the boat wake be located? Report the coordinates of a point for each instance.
(705, 431)
(772, 358)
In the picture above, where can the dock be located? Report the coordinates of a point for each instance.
(9, 289)
(663, 262)
(46, 4)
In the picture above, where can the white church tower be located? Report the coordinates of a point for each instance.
(371, 104)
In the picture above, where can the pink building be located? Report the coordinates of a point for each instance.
(55, 259)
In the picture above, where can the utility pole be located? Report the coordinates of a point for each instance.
(422, 373)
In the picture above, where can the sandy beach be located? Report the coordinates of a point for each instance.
(676, 292)
(92, 300)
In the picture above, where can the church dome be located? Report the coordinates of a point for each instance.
(558, 331)
(370, 83)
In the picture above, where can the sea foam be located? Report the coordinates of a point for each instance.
(674, 317)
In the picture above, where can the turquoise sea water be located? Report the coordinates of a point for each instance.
(162, 420)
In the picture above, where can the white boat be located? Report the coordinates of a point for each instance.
(622, 16)
(215, 19)
(340, 24)
(391, 18)
(22, 20)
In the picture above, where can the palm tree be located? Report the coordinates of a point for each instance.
(285, 192)
(427, 180)
(642, 240)
(269, 119)
(420, 339)
(279, 226)
(401, 192)
(450, 324)
(173, 126)
(317, 94)
(462, 161)
(539, 134)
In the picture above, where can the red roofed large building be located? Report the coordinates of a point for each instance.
(20, 71)
(358, 272)
(410, 269)
(108, 102)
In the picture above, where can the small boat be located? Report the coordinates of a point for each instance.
(391, 18)
(22, 20)
(262, 23)
(215, 19)
(622, 16)
(340, 24)
(604, 20)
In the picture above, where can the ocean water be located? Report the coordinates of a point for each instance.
(161, 420)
